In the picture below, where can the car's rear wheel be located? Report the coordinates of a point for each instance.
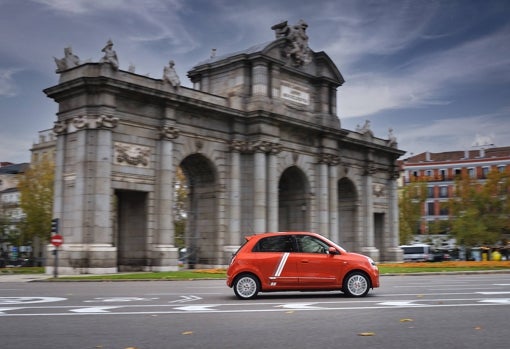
(246, 286)
(356, 284)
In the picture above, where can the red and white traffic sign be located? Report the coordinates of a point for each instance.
(57, 240)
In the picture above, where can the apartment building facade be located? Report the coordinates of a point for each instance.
(439, 171)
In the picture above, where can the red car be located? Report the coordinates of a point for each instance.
(298, 261)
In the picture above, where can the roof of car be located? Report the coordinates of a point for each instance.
(280, 233)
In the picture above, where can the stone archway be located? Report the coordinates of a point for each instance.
(347, 214)
(121, 135)
(201, 233)
(293, 202)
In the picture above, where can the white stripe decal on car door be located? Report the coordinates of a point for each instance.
(280, 267)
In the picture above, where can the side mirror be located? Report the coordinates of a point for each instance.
(333, 251)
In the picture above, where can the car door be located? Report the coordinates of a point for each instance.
(315, 265)
(274, 261)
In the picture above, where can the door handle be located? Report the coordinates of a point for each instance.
(304, 261)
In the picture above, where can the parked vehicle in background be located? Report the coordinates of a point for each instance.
(418, 253)
(298, 261)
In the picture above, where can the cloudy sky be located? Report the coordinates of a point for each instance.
(436, 71)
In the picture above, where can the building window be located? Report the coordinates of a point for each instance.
(442, 174)
(472, 172)
(430, 208)
(485, 172)
(457, 172)
(428, 173)
(501, 169)
(443, 191)
(430, 192)
(443, 210)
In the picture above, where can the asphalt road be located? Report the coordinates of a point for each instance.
(441, 311)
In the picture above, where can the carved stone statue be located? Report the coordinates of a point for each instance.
(69, 61)
(296, 46)
(365, 129)
(170, 75)
(110, 56)
(392, 140)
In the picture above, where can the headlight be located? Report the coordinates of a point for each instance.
(371, 261)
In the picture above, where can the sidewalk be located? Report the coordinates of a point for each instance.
(23, 277)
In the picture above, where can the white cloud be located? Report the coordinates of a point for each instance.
(8, 86)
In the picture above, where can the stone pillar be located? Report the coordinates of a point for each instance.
(323, 199)
(272, 190)
(393, 251)
(85, 197)
(367, 229)
(259, 190)
(164, 253)
(60, 130)
(260, 79)
(333, 202)
(235, 194)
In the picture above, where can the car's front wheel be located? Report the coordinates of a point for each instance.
(356, 284)
(246, 286)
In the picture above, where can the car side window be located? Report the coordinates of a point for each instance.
(281, 243)
(310, 244)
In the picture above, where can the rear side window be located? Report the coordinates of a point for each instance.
(281, 243)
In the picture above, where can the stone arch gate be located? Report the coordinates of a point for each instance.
(258, 139)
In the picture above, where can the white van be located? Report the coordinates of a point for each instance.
(418, 253)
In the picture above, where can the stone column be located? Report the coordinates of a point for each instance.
(59, 129)
(333, 202)
(260, 79)
(393, 251)
(323, 199)
(235, 193)
(164, 252)
(272, 189)
(259, 189)
(368, 241)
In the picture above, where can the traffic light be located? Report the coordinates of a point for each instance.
(54, 226)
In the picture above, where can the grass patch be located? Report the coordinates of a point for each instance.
(203, 274)
(22, 270)
(453, 266)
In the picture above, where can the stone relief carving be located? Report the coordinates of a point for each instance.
(170, 75)
(257, 146)
(107, 121)
(169, 132)
(132, 154)
(59, 127)
(296, 43)
(69, 61)
(378, 190)
(91, 122)
(110, 56)
(329, 159)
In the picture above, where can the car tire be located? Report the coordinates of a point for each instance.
(246, 286)
(356, 284)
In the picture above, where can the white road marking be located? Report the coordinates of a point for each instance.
(299, 306)
(27, 300)
(93, 310)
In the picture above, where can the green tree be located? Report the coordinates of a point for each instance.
(180, 208)
(36, 200)
(480, 211)
(411, 200)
